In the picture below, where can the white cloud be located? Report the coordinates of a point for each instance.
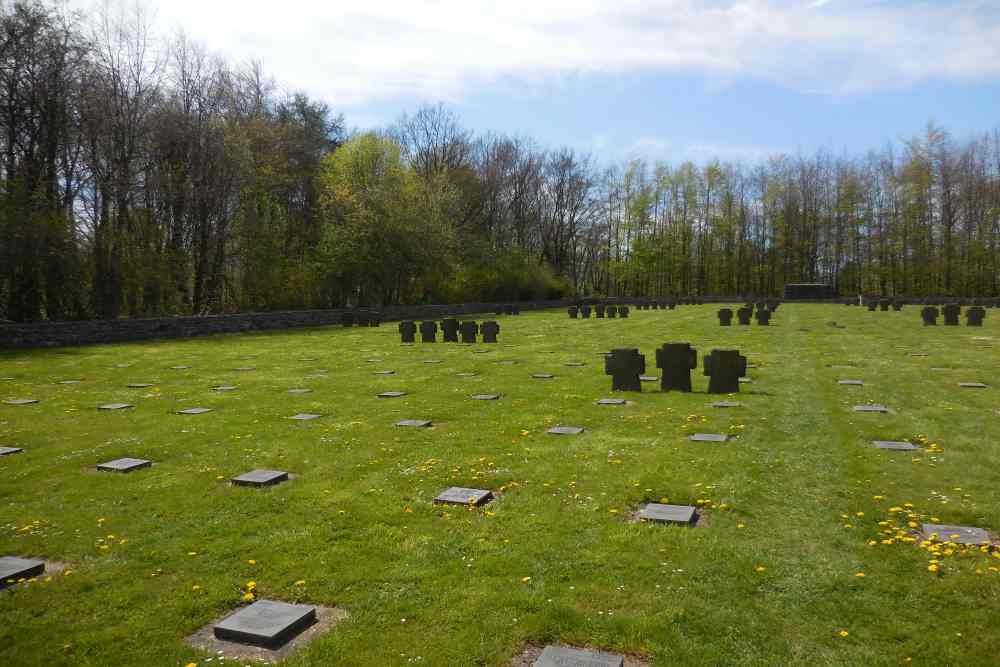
(358, 52)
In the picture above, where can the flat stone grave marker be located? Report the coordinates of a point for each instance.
(458, 495)
(840, 366)
(563, 656)
(124, 465)
(895, 445)
(225, 387)
(385, 372)
(542, 376)
(565, 430)
(305, 416)
(299, 391)
(745, 380)
(659, 513)
(179, 368)
(414, 423)
(612, 401)
(13, 568)
(5, 451)
(708, 437)
(21, 401)
(466, 375)
(115, 406)
(138, 385)
(956, 534)
(918, 354)
(260, 478)
(194, 411)
(726, 404)
(265, 623)
(244, 369)
(486, 397)
(69, 382)
(432, 361)
(852, 383)
(871, 408)
(507, 362)
(972, 385)
(308, 359)
(648, 378)
(574, 364)
(392, 394)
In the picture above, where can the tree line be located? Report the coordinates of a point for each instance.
(143, 176)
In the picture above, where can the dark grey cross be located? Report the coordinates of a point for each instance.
(599, 310)
(468, 329)
(725, 317)
(611, 311)
(428, 331)
(585, 312)
(676, 360)
(625, 365)
(449, 330)
(929, 315)
(725, 368)
(974, 316)
(763, 317)
(951, 312)
(573, 312)
(744, 314)
(407, 330)
(489, 329)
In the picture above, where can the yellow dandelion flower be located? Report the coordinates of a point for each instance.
(525, 580)
(300, 582)
(843, 633)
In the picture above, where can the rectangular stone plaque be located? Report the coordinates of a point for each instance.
(261, 478)
(4, 451)
(972, 385)
(244, 369)
(486, 397)
(21, 401)
(124, 465)
(138, 385)
(458, 495)
(745, 381)
(562, 656)
(224, 387)
(574, 364)
(392, 394)
(708, 437)
(726, 404)
(414, 423)
(507, 362)
(13, 568)
(115, 406)
(542, 376)
(194, 411)
(852, 383)
(897, 445)
(432, 361)
(299, 391)
(265, 623)
(179, 368)
(305, 416)
(668, 513)
(871, 408)
(648, 378)
(565, 430)
(612, 401)
(466, 375)
(385, 372)
(69, 381)
(956, 534)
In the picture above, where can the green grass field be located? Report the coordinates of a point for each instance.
(795, 504)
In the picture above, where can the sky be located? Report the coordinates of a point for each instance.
(669, 80)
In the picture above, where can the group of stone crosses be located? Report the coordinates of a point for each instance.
(743, 315)
(360, 317)
(974, 316)
(600, 311)
(451, 329)
(676, 361)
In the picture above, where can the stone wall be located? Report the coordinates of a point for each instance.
(87, 332)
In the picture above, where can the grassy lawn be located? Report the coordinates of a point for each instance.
(770, 577)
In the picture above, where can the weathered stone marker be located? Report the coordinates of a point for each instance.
(392, 394)
(929, 315)
(871, 408)
(563, 656)
(676, 360)
(485, 397)
(974, 316)
(407, 330)
(743, 315)
(659, 513)
(585, 312)
(265, 623)
(763, 317)
(194, 411)
(708, 437)
(459, 495)
(896, 445)
(469, 330)
(599, 311)
(414, 423)
(565, 430)
(428, 331)
(884, 305)
(449, 330)
(612, 401)
(21, 401)
(958, 534)
(305, 417)
(623, 312)
(611, 311)
(13, 568)
(490, 330)
(573, 312)
(115, 406)
(852, 383)
(951, 313)
(725, 317)
(347, 319)
(7, 451)
(625, 365)
(260, 478)
(124, 465)
(724, 368)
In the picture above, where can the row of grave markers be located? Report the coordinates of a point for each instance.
(974, 316)
(451, 329)
(676, 360)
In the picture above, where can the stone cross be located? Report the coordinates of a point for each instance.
(468, 329)
(872, 305)
(573, 312)
(347, 318)
(676, 360)
(929, 314)
(725, 368)
(763, 317)
(428, 329)
(407, 329)
(599, 308)
(449, 330)
(744, 314)
(611, 311)
(585, 311)
(625, 365)
(884, 304)
(951, 313)
(623, 312)
(489, 329)
(725, 317)
(974, 316)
